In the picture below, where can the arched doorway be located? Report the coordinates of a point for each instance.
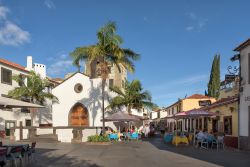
(78, 115)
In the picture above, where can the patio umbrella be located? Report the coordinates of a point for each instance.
(194, 113)
(121, 117)
(13, 103)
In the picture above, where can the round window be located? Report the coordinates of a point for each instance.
(78, 88)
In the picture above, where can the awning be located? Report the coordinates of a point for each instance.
(194, 113)
(13, 103)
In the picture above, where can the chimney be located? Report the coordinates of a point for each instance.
(29, 63)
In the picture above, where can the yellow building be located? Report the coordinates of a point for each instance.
(194, 101)
(226, 120)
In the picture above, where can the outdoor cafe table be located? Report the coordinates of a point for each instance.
(10, 146)
(179, 139)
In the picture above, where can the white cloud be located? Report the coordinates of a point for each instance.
(60, 65)
(49, 4)
(195, 23)
(167, 93)
(189, 80)
(190, 28)
(10, 33)
(3, 12)
(192, 15)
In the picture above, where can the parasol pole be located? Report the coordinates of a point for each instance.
(194, 130)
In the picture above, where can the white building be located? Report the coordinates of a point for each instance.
(244, 111)
(14, 117)
(78, 95)
(11, 117)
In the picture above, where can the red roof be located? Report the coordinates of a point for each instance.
(221, 102)
(14, 65)
(198, 96)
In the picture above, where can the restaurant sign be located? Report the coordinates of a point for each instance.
(247, 98)
(229, 77)
(204, 103)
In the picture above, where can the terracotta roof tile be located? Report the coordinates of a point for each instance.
(198, 96)
(221, 102)
(14, 65)
(242, 45)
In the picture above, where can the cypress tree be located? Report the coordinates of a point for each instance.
(206, 94)
(217, 78)
(214, 81)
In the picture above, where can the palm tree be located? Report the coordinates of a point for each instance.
(133, 96)
(107, 51)
(33, 91)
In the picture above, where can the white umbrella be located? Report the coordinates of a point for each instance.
(13, 103)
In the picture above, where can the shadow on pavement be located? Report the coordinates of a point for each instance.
(227, 157)
(51, 157)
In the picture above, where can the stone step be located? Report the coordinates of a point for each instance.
(51, 136)
(48, 138)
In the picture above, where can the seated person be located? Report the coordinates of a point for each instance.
(200, 135)
(132, 130)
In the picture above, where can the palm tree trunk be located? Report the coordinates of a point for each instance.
(129, 109)
(103, 109)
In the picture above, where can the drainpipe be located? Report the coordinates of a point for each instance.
(239, 103)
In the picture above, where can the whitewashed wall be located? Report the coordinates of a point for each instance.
(90, 97)
(43, 131)
(64, 135)
(243, 116)
(15, 115)
(154, 115)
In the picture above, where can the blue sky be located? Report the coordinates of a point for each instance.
(176, 39)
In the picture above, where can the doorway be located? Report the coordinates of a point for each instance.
(215, 125)
(8, 126)
(78, 115)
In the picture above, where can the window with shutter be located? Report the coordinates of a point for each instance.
(6, 76)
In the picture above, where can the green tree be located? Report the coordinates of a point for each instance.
(214, 81)
(133, 96)
(33, 90)
(107, 51)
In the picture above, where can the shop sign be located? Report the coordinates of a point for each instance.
(229, 77)
(247, 98)
(204, 103)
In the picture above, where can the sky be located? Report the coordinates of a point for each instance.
(177, 39)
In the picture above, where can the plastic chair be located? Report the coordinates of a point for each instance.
(219, 142)
(168, 138)
(134, 136)
(15, 154)
(113, 136)
(31, 150)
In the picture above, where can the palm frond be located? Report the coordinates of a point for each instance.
(117, 90)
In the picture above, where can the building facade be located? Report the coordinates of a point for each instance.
(116, 77)
(194, 101)
(16, 117)
(244, 107)
(11, 117)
